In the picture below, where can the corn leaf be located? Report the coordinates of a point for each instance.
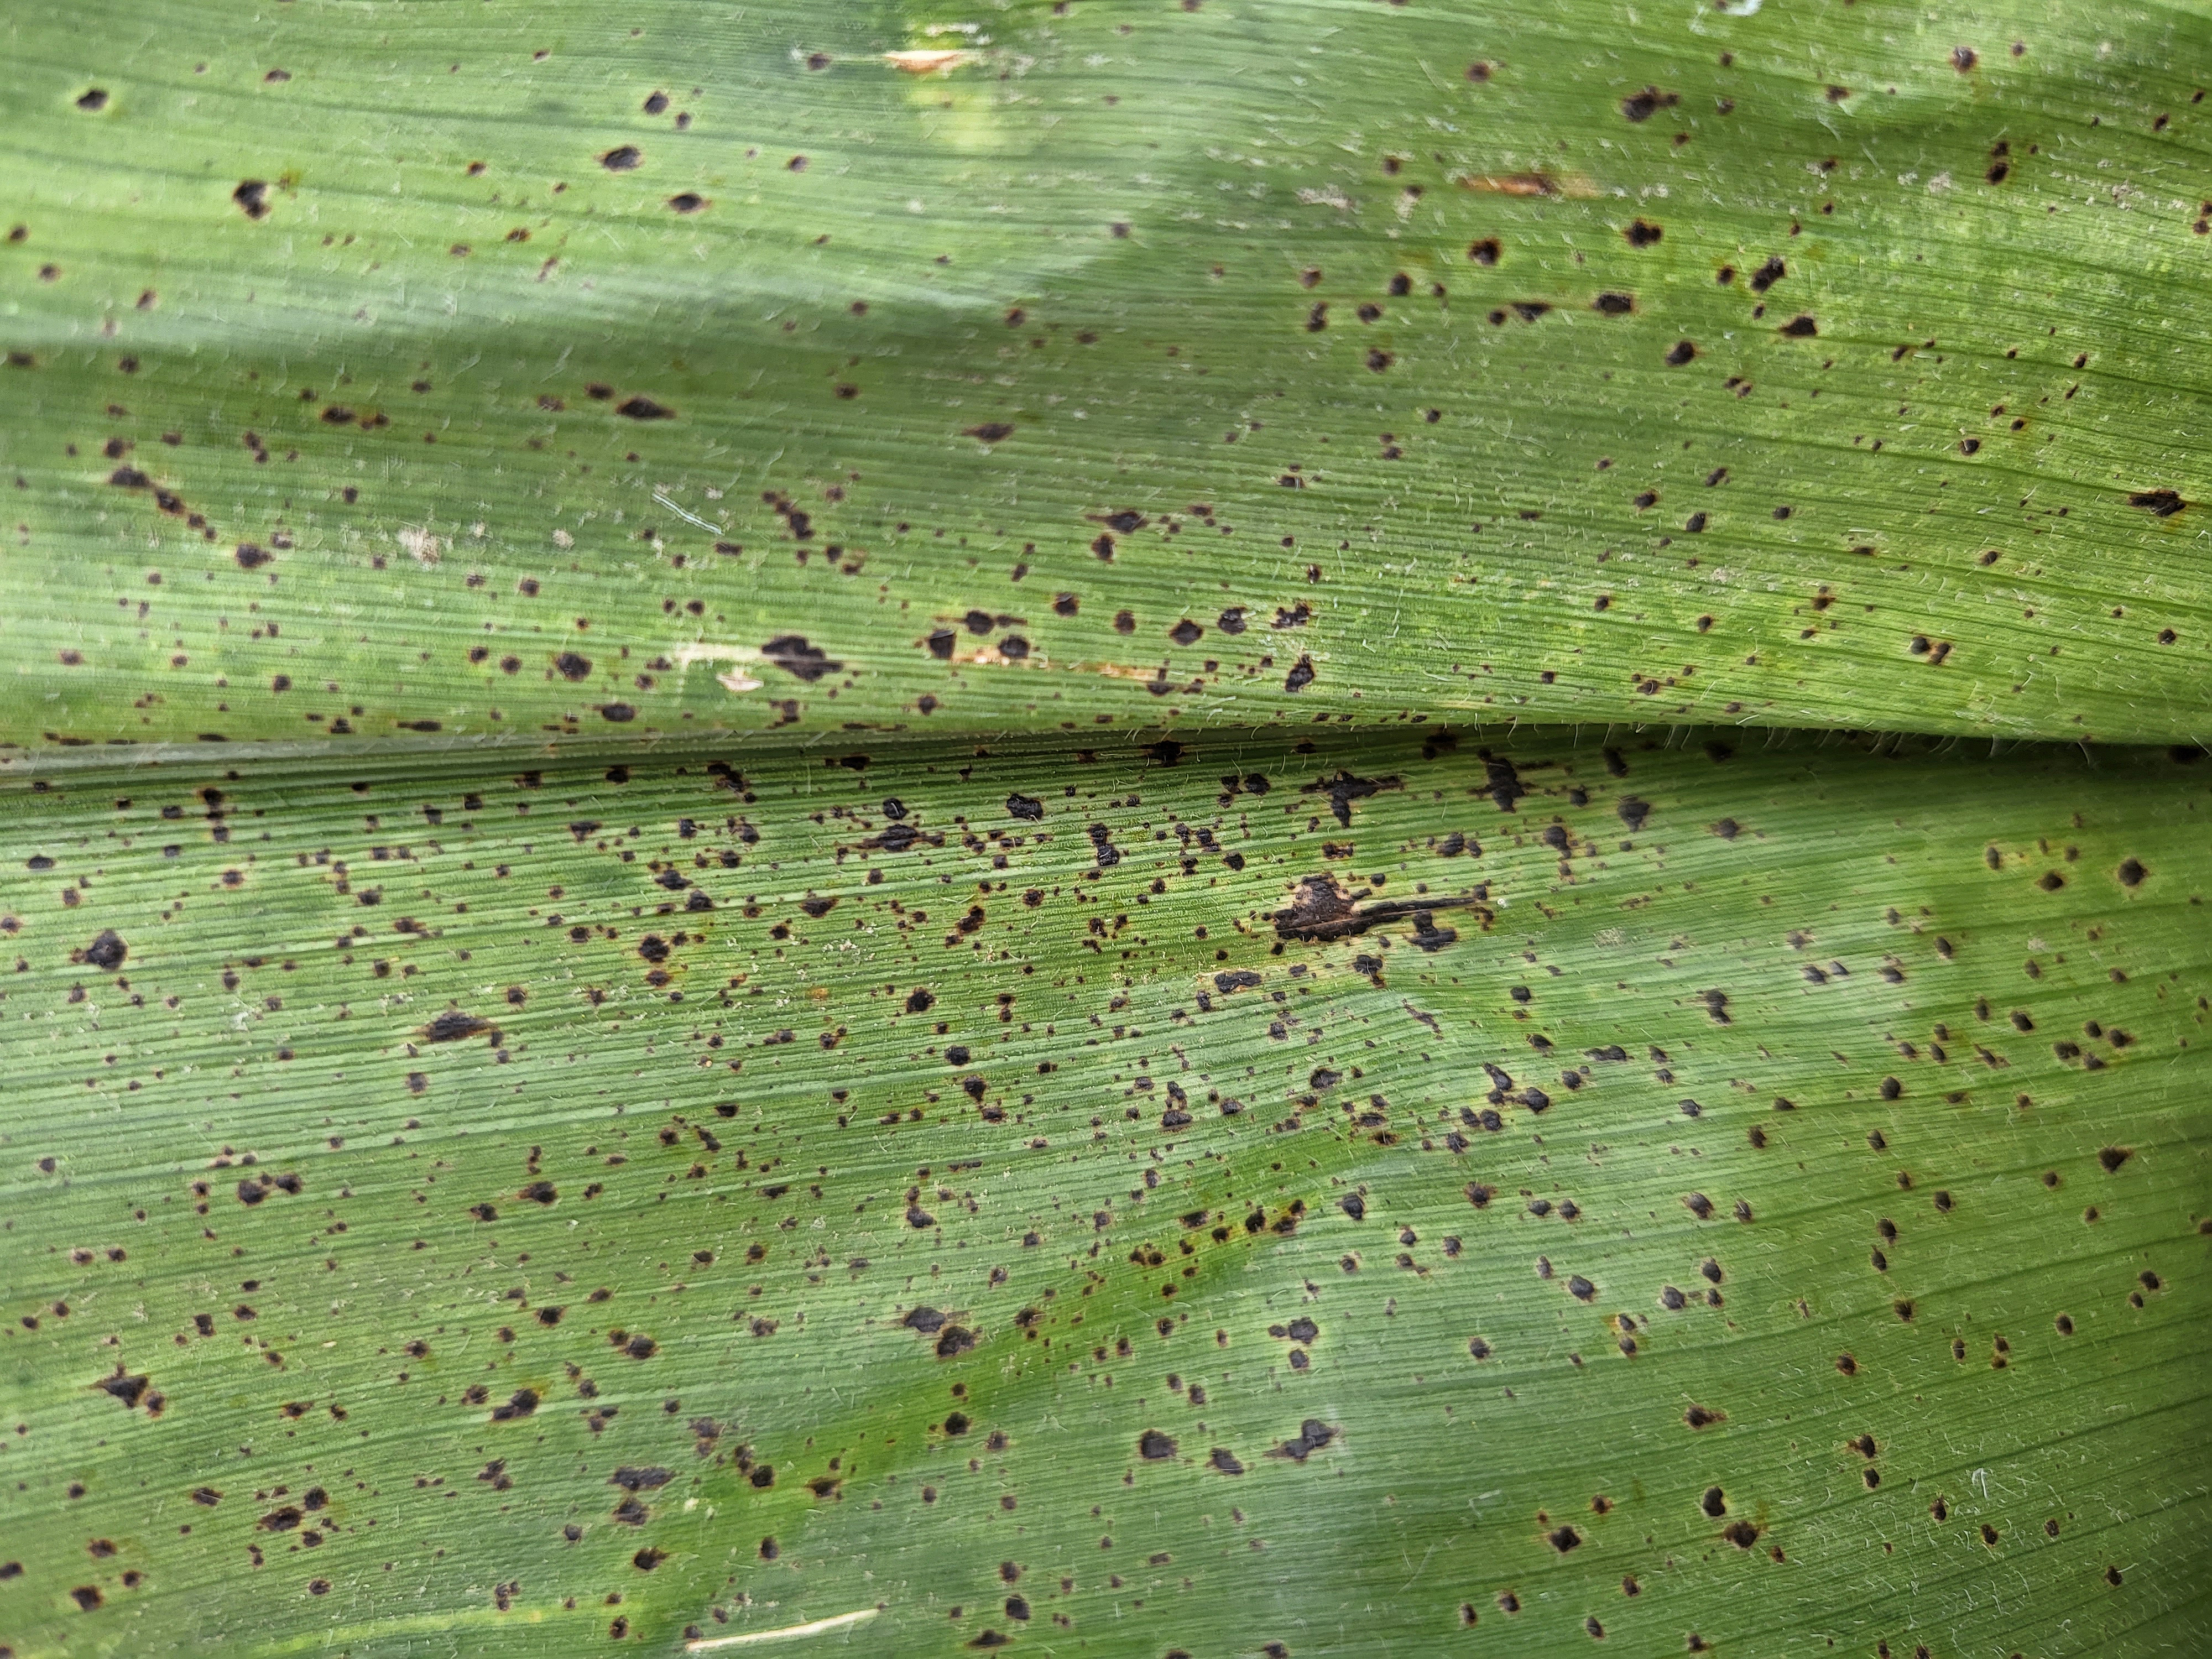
(1366, 1196)
(699, 959)
(379, 371)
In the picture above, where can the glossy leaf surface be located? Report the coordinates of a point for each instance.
(382, 370)
(1188, 1196)
(935, 830)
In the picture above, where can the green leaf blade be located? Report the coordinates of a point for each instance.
(1339, 335)
(1166, 1181)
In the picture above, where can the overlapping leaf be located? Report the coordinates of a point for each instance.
(382, 370)
(1209, 1194)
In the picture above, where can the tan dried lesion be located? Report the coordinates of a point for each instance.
(929, 61)
(1529, 183)
(734, 679)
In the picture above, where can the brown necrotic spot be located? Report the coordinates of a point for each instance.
(129, 1389)
(252, 198)
(1643, 105)
(520, 1405)
(1313, 1435)
(622, 158)
(454, 1025)
(791, 654)
(1643, 233)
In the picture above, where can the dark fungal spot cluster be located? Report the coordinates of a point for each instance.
(1253, 1101)
(637, 1137)
(868, 564)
